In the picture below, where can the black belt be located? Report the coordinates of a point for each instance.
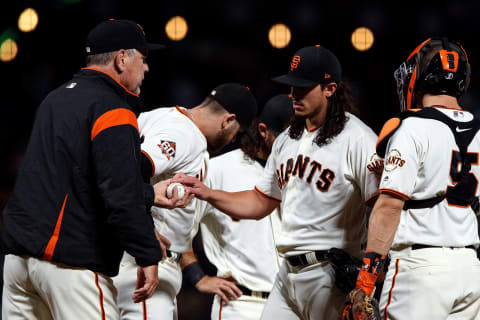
(417, 246)
(248, 292)
(303, 260)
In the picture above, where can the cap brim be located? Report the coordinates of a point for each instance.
(293, 81)
(155, 46)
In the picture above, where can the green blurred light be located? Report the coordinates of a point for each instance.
(69, 2)
(10, 33)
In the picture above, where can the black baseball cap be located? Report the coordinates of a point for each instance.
(277, 112)
(113, 35)
(311, 66)
(237, 99)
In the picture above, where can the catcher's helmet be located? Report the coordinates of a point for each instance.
(436, 66)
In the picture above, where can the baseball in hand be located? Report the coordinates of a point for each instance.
(180, 190)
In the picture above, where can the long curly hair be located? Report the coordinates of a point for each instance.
(340, 102)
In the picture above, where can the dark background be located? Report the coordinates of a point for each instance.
(227, 41)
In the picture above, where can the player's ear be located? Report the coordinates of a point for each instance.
(263, 130)
(329, 89)
(120, 60)
(228, 120)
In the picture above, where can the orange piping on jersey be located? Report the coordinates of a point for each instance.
(144, 309)
(371, 201)
(311, 130)
(220, 310)
(108, 74)
(191, 251)
(388, 127)
(391, 289)
(187, 115)
(151, 161)
(100, 296)
(112, 118)
(48, 254)
(266, 195)
(394, 193)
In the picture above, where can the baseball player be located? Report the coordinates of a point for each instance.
(242, 250)
(179, 140)
(425, 215)
(321, 173)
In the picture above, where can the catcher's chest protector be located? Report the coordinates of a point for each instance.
(463, 193)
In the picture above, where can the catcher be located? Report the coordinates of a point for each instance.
(425, 215)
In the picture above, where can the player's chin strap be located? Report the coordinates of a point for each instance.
(461, 194)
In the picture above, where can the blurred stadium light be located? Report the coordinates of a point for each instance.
(176, 28)
(362, 39)
(28, 20)
(279, 36)
(8, 50)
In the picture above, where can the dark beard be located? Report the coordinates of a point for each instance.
(220, 141)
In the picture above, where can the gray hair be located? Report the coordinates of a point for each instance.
(105, 58)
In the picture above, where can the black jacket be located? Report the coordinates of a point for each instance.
(79, 197)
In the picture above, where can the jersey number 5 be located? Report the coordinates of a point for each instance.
(468, 190)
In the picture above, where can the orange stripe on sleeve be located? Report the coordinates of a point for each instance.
(100, 296)
(151, 161)
(266, 195)
(48, 254)
(394, 193)
(112, 118)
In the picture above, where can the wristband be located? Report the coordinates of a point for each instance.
(372, 264)
(193, 273)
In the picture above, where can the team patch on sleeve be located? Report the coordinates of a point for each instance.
(393, 160)
(375, 165)
(168, 148)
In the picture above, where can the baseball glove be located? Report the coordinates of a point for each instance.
(359, 306)
(346, 269)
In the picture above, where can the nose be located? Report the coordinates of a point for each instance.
(146, 67)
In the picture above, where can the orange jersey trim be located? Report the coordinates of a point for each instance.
(151, 161)
(186, 114)
(266, 195)
(394, 193)
(48, 254)
(100, 296)
(220, 311)
(112, 118)
(391, 289)
(108, 74)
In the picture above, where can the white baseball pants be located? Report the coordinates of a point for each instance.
(37, 289)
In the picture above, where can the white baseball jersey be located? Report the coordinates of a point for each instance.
(174, 144)
(421, 161)
(322, 189)
(242, 249)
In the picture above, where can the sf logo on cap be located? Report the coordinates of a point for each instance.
(295, 62)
